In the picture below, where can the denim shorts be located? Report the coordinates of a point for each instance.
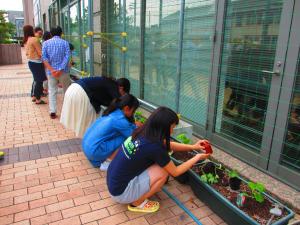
(135, 189)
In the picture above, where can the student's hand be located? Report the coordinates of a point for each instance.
(138, 123)
(199, 145)
(202, 156)
(56, 73)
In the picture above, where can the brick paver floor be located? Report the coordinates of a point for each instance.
(46, 179)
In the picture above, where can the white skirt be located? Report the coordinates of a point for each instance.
(77, 112)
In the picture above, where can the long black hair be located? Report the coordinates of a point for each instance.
(125, 83)
(119, 103)
(47, 35)
(157, 126)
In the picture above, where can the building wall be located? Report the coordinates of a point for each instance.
(41, 14)
(12, 15)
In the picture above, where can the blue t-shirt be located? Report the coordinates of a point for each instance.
(105, 135)
(133, 157)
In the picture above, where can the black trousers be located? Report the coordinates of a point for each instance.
(39, 75)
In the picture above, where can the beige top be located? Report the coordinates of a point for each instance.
(33, 48)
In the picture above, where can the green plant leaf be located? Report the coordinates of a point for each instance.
(258, 197)
(204, 178)
(138, 113)
(233, 174)
(260, 187)
(251, 185)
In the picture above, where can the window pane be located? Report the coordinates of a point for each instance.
(115, 25)
(290, 156)
(85, 40)
(199, 22)
(74, 38)
(161, 50)
(132, 62)
(249, 48)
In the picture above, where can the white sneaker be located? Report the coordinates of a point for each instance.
(104, 165)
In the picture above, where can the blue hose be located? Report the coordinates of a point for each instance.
(181, 206)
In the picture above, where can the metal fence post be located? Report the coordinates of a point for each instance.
(179, 59)
(91, 46)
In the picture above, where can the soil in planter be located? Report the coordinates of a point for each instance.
(258, 211)
(182, 156)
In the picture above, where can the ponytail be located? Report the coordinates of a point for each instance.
(119, 103)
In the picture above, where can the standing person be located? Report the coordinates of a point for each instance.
(56, 55)
(142, 164)
(38, 32)
(46, 36)
(107, 133)
(36, 66)
(84, 98)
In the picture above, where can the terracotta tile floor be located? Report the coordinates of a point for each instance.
(62, 187)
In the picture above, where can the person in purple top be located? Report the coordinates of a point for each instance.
(56, 55)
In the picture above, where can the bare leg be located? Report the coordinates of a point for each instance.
(158, 177)
(113, 155)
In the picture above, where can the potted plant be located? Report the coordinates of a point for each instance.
(234, 180)
(138, 116)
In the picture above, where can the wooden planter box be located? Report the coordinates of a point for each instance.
(10, 54)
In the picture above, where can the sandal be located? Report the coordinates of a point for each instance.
(41, 102)
(146, 207)
(2, 154)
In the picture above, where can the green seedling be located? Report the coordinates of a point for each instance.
(138, 116)
(233, 174)
(138, 113)
(210, 178)
(183, 139)
(257, 190)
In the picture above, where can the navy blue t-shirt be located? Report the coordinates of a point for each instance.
(100, 90)
(133, 158)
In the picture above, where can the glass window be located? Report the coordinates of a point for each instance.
(199, 23)
(244, 87)
(161, 51)
(132, 63)
(290, 156)
(85, 40)
(74, 37)
(115, 25)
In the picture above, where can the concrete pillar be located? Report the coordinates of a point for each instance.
(28, 12)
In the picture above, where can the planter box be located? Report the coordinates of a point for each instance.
(183, 178)
(183, 128)
(223, 207)
(10, 54)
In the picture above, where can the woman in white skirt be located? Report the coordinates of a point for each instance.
(83, 100)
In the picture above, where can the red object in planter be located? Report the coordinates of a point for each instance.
(207, 147)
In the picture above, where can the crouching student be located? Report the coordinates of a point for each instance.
(107, 133)
(83, 100)
(142, 164)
